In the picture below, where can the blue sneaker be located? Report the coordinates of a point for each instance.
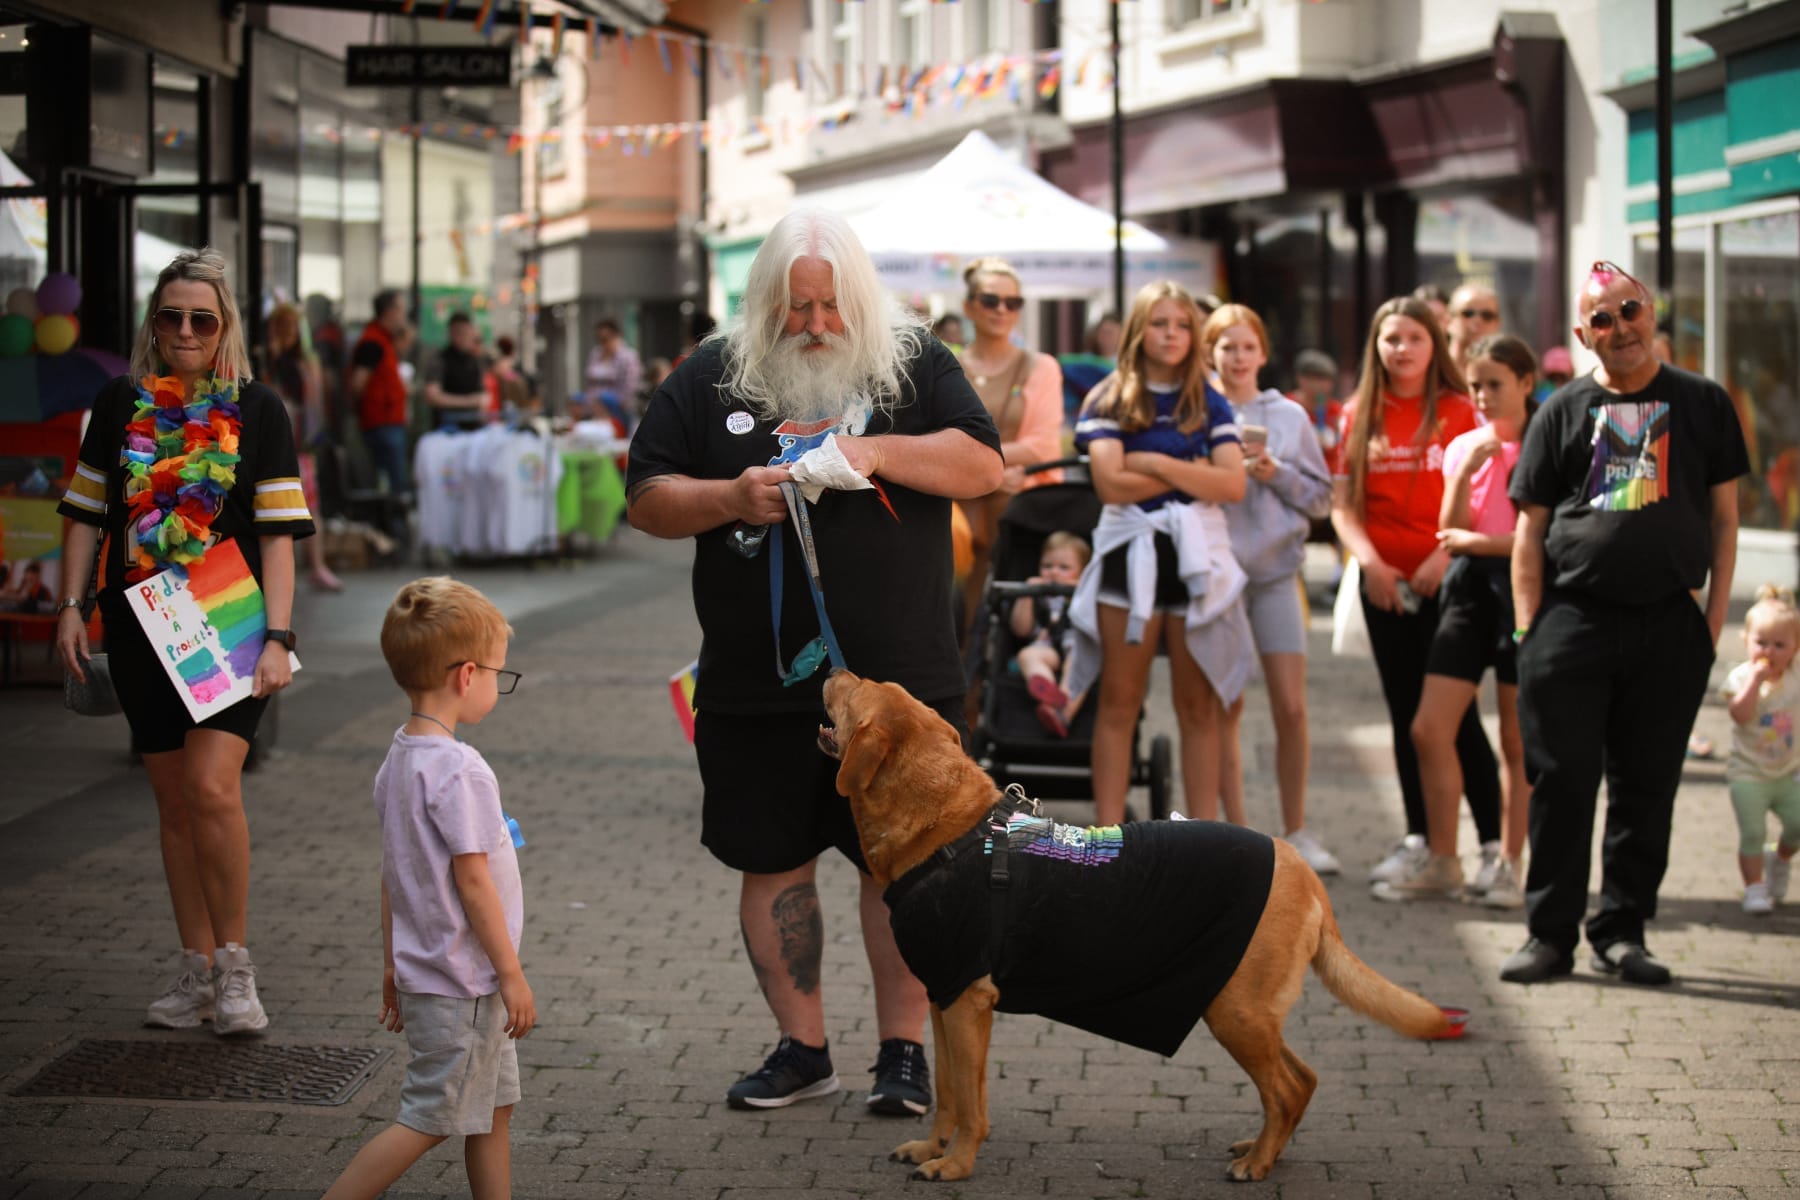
(902, 1080)
(792, 1072)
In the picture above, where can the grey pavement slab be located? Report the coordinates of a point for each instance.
(1584, 1089)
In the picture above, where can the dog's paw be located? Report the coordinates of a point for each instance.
(943, 1170)
(1244, 1171)
(917, 1152)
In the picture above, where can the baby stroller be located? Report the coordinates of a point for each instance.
(1008, 740)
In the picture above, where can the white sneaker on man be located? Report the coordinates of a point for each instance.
(188, 1000)
(236, 1008)
(1776, 873)
(1407, 857)
(1316, 855)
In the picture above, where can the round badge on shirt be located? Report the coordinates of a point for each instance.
(740, 422)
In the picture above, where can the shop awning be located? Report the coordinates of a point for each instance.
(631, 16)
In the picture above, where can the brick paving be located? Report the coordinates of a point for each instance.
(1584, 1088)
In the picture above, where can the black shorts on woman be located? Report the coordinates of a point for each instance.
(1475, 622)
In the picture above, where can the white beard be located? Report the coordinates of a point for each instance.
(813, 385)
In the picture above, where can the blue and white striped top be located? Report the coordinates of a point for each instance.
(1163, 436)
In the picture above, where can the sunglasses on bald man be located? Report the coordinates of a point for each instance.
(1600, 320)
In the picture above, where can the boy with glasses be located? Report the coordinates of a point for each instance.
(1626, 488)
(451, 904)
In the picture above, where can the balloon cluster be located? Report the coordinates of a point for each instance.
(44, 318)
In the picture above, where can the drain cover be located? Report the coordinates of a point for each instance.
(159, 1070)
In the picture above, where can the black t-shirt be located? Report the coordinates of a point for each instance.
(368, 354)
(886, 580)
(265, 500)
(1126, 931)
(460, 374)
(1627, 479)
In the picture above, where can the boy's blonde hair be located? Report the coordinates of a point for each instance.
(1775, 606)
(1062, 539)
(434, 622)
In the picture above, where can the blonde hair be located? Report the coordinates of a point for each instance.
(1776, 606)
(981, 268)
(205, 265)
(1223, 318)
(1126, 399)
(1062, 539)
(434, 622)
(1441, 375)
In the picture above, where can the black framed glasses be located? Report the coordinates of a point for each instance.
(169, 321)
(990, 300)
(504, 680)
(1602, 271)
(1600, 320)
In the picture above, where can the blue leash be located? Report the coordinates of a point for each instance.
(815, 652)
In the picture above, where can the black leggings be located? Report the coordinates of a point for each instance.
(1402, 644)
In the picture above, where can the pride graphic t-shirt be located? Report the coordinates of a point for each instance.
(1627, 479)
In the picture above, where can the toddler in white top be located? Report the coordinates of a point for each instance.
(451, 905)
(1763, 697)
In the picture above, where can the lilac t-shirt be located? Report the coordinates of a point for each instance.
(437, 798)
(1489, 504)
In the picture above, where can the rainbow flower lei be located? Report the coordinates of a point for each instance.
(180, 462)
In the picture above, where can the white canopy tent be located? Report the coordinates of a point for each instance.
(976, 200)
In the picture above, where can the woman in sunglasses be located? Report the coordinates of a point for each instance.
(1022, 390)
(180, 456)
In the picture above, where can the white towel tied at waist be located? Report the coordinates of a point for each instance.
(1218, 630)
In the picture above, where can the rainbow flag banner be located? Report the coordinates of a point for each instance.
(681, 695)
(206, 622)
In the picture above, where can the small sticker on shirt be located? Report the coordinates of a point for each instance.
(740, 422)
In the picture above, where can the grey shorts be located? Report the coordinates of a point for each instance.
(1277, 620)
(463, 1065)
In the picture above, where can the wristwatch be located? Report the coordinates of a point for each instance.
(66, 602)
(284, 636)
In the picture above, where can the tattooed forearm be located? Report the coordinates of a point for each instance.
(802, 935)
(762, 972)
(644, 487)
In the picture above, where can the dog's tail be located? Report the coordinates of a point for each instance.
(1361, 987)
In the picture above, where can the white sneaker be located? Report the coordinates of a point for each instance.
(1776, 873)
(1503, 891)
(1407, 857)
(234, 979)
(1439, 877)
(188, 1001)
(1757, 900)
(1317, 856)
(1491, 858)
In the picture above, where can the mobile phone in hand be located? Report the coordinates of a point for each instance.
(1255, 439)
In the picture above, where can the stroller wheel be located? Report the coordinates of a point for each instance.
(1162, 777)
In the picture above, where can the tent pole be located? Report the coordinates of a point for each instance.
(1118, 174)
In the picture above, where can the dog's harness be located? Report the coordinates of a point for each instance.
(990, 834)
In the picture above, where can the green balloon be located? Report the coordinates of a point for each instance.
(16, 335)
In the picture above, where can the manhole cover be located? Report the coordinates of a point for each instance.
(155, 1070)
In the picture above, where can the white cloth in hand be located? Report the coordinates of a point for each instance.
(824, 466)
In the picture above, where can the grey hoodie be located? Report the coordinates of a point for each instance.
(1269, 527)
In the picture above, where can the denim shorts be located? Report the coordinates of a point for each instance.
(463, 1065)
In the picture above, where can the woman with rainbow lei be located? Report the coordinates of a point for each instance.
(181, 455)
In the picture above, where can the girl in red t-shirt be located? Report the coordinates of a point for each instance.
(1387, 487)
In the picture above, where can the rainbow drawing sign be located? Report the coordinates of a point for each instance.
(205, 621)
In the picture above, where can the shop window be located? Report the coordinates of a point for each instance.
(1489, 238)
(979, 37)
(1759, 303)
(756, 65)
(1685, 320)
(911, 29)
(841, 43)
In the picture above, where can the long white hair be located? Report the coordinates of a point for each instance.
(880, 335)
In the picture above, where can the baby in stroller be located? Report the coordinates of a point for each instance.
(1041, 623)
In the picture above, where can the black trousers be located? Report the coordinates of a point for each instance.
(1607, 690)
(1401, 643)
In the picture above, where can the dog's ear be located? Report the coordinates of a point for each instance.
(862, 757)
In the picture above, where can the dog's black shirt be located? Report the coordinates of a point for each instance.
(1125, 931)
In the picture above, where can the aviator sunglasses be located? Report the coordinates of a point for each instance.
(169, 321)
(989, 300)
(1600, 320)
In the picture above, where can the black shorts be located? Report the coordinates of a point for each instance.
(771, 800)
(1474, 630)
(1170, 591)
(159, 720)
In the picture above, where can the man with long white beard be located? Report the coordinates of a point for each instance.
(818, 350)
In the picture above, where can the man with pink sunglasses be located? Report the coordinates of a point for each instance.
(1627, 495)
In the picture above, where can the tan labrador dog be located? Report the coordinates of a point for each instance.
(913, 792)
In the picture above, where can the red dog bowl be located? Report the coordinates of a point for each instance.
(1459, 1021)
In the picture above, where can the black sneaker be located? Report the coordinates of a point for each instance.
(902, 1080)
(1632, 963)
(1536, 961)
(791, 1073)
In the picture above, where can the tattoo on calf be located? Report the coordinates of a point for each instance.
(802, 935)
